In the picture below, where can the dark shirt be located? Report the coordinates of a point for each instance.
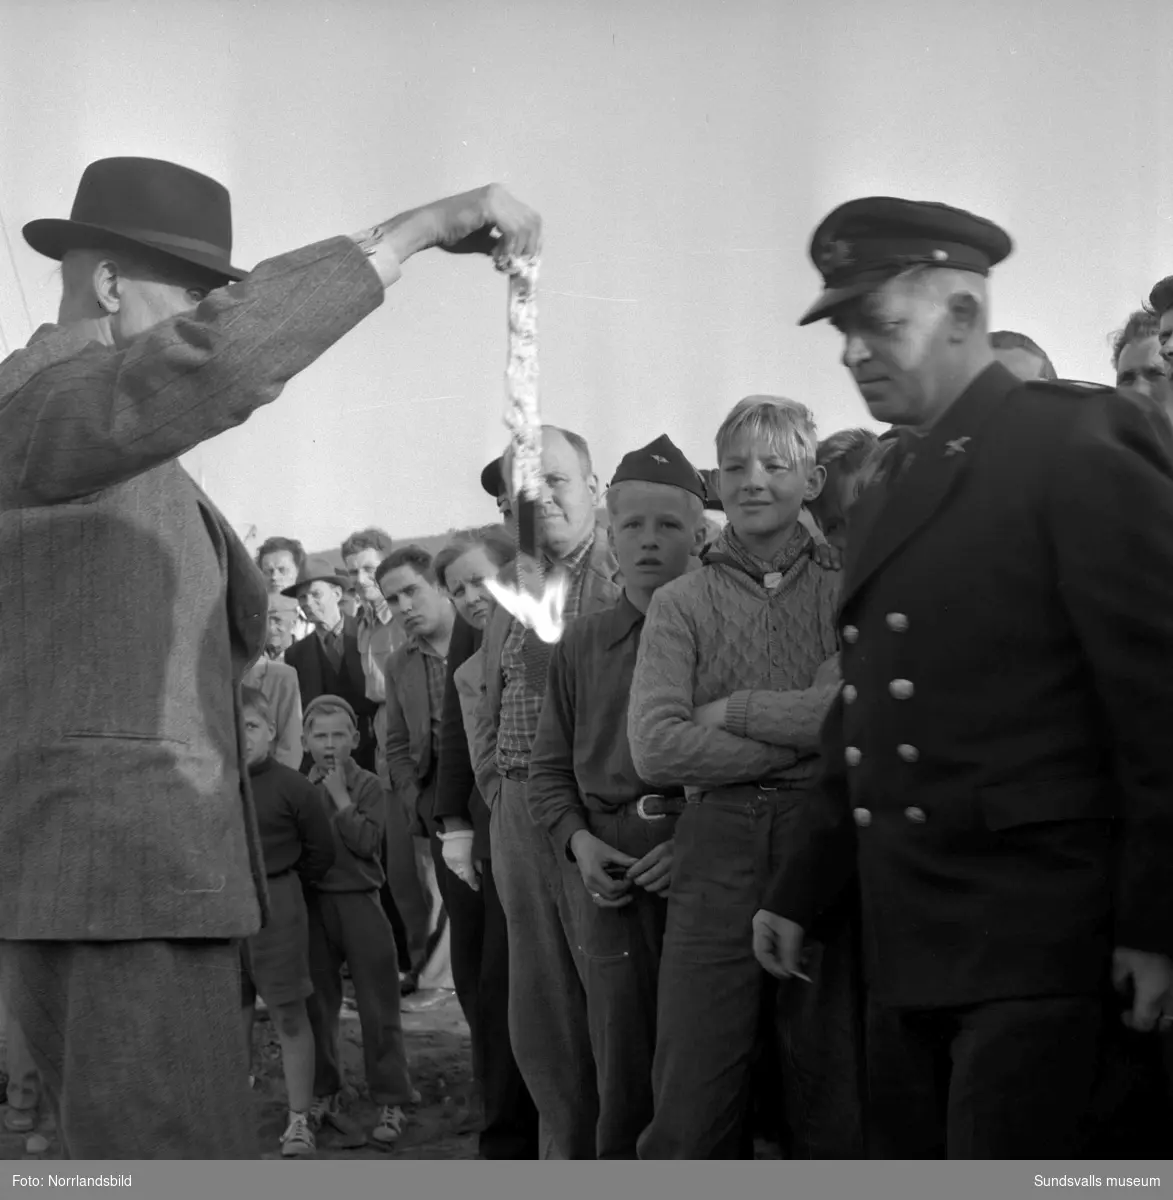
(457, 794)
(581, 758)
(358, 831)
(294, 824)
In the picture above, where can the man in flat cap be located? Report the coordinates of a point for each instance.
(998, 775)
(129, 860)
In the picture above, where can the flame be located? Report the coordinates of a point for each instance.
(539, 607)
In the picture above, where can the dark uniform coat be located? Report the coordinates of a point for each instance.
(1000, 759)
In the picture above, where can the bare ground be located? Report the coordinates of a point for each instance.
(442, 1125)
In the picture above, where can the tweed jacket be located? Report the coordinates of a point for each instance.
(129, 610)
(410, 762)
(601, 588)
(997, 767)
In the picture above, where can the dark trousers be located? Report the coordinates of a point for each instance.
(548, 1023)
(351, 927)
(139, 1045)
(479, 943)
(1005, 1079)
(712, 992)
(1132, 1106)
(620, 950)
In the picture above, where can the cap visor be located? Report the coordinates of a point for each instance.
(832, 298)
(54, 238)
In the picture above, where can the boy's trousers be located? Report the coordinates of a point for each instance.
(351, 928)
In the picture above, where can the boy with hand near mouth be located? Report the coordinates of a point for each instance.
(604, 819)
(348, 924)
(298, 845)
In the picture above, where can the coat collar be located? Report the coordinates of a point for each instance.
(888, 517)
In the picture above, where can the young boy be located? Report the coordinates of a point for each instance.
(348, 925)
(737, 667)
(845, 458)
(298, 844)
(604, 819)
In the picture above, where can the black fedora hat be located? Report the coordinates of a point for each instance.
(147, 203)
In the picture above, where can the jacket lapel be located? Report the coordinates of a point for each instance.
(894, 511)
(421, 713)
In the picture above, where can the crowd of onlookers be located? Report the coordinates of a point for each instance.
(439, 790)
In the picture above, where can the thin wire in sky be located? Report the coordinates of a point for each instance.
(16, 273)
(4, 340)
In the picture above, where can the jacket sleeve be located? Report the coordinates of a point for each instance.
(667, 746)
(818, 860)
(288, 717)
(363, 825)
(791, 718)
(400, 764)
(552, 787)
(317, 838)
(77, 417)
(1111, 520)
(489, 710)
(454, 777)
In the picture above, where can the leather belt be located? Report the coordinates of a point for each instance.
(655, 807)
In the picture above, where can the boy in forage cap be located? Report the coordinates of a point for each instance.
(997, 775)
(611, 829)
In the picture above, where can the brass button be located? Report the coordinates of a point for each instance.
(853, 756)
(915, 815)
(897, 622)
(862, 816)
(850, 634)
(910, 754)
(901, 689)
(849, 693)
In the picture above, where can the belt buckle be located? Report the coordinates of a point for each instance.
(642, 812)
(769, 787)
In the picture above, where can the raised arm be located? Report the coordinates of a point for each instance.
(667, 746)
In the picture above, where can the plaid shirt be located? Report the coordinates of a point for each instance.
(525, 660)
(436, 668)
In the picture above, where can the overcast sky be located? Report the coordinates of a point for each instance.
(681, 154)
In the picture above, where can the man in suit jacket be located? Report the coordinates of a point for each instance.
(998, 771)
(129, 858)
(328, 662)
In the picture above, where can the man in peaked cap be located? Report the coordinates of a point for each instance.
(129, 859)
(612, 831)
(997, 769)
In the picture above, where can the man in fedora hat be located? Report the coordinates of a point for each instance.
(328, 662)
(997, 781)
(129, 859)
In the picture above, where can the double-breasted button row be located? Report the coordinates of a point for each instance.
(853, 756)
(863, 817)
(849, 693)
(901, 689)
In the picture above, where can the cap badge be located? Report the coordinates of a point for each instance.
(956, 446)
(833, 256)
(659, 458)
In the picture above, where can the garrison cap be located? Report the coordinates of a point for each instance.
(660, 462)
(865, 242)
(1161, 297)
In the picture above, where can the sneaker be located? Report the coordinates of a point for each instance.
(20, 1120)
(298, 1139)
(326, 1110)
(392, 1122)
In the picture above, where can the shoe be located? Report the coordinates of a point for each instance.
(36, 1143)
(326, 1110)
(20, 1120)
(392, 1122)
(298, 1139)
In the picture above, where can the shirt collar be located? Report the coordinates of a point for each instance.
(325, 633)
(574, 561)
(625, 618)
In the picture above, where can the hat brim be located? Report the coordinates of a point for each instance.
(336, 580)
(832, 298)
(54, 238)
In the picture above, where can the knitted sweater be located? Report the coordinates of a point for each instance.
(720, 633)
